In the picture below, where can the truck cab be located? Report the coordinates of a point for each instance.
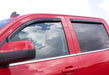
(53, 44)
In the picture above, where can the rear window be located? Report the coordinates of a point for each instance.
(5, 22)
(91, 36)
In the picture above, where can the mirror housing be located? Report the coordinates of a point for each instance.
(16, 51)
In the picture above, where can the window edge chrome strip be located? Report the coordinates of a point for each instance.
(92, 51)
(39, 60)
(34, 61)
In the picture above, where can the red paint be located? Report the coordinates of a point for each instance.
(96, 63)
(50, 67)
(17, 45)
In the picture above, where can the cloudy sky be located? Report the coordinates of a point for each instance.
(93, 8)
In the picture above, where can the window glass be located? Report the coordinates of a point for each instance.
(48, 38)
(5, 22)
(91, 36)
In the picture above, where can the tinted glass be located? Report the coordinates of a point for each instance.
(91, 36)
(48, 38)
(4, 22)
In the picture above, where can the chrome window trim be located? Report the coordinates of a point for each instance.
(39, 60)
(34, 61)
(93, 51)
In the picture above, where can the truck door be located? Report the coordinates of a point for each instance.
(54, 48)
(92, 43)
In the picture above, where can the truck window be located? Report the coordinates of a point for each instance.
(5, 22)
(91, 36)
(48, 38)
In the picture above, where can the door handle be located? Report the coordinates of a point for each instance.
(69, 69)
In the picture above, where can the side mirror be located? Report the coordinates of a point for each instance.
(16, 51)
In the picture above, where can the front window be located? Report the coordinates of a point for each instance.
(48, 38)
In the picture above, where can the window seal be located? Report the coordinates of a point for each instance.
(85, 21)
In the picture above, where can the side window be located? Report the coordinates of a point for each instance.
(48, 38)
(91, 36)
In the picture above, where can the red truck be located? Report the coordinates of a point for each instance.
(51, 44)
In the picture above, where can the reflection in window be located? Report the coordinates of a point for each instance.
(5, 22)
(48, 38)
(91, 36)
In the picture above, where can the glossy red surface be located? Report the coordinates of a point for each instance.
(17, 45)
(91, 63)
(49, 67)
(95, 63)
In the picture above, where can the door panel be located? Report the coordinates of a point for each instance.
(95, 63)
(63, 64)
(50, 67)
(60, 66)
(91, 43)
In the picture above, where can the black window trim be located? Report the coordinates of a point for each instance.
(85, 21)
(32, 22)
(89, 22)
(28, 23)
(38, 21)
